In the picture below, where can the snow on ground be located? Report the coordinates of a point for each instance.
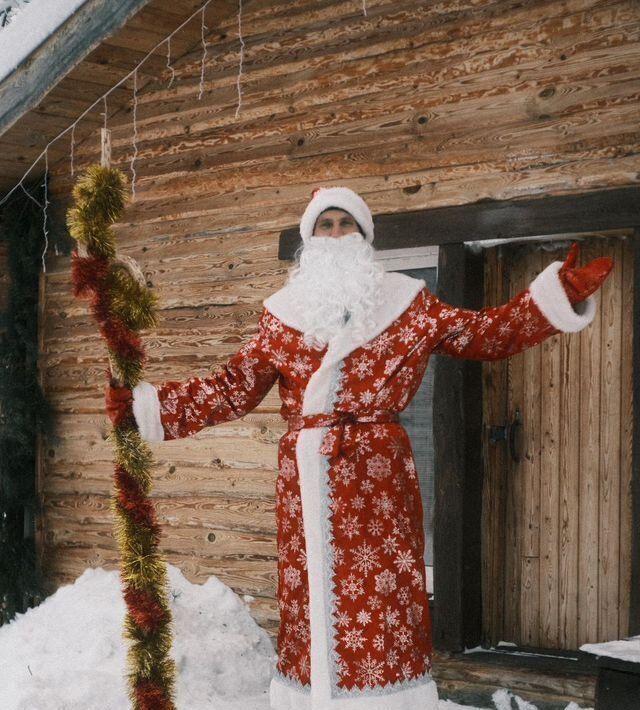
(624, 649)
(29, 27)
(69, 654)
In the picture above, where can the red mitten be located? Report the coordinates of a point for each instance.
(582, 282)
(119, 404)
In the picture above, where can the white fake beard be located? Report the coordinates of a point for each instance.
(332, 278)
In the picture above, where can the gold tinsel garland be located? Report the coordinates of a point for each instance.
(122, 306)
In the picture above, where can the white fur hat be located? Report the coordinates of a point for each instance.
(342, 198)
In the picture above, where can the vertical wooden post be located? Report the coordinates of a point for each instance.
(634, 610)
(457, 431)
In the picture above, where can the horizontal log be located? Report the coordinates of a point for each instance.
(255, 578)
(204, 513)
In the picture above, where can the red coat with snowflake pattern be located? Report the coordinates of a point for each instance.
(355, 630)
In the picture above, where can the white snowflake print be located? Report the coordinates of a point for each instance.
(305, 666)
(352, 587)
(366, 486)
(383, 505)
(342, 619)
(280, 357)
(370, 671)
(404, 596)
(366, 398)
(291, 504)
(301, 365)
(391, 364)
(381, 345)
(342, 669)
(406, 335)
(391, 657)
(385, 582)
(365, 558)
(288, 468)
(379, 467)
(363, 617)
(345, 472)
(292, 577)
(417, 579)
(375, 527)
(389, 618)
(404, 561)
(402, 638)
(504, 329)
(362, 367)
(409, 466)
(414, 614)
(374, 602)
(346, 399)
(378, 642)
(358, 502)
(302, 559)
(353, 639)
(350, 526)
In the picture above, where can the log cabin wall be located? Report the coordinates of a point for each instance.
(414, 105)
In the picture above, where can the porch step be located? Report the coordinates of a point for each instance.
(548, 681)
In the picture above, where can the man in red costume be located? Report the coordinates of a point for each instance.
(348, 345)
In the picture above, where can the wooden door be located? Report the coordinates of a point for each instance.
(557, 523)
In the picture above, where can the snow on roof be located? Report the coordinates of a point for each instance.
(624, 649)
(29, 28)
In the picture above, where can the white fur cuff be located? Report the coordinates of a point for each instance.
(146, 410)
(549, 295)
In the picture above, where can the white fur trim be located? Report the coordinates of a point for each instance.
(146, 410)
(343, 198)
(549, 295)
(421, 697)
(399, 291)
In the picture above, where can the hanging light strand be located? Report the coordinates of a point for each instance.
(71, 127)
(173, 71)
(44, 210)
(135, 135)
(241, 58)
(204, 55)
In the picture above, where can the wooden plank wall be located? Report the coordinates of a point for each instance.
(415, 105)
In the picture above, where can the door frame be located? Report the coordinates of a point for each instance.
(457, 414)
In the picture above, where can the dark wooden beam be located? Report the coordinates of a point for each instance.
(457, 431)
(616, 208)
(634, 610)
(32, 80)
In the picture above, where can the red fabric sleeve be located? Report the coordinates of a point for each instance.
(491, 333)
(233, 390)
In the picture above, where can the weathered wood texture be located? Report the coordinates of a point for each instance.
(415, 105)
(557, 558)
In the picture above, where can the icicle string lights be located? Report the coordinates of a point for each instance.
(71, 127)
(241, 57)
(135, 135)
(44, 209)
(204, 56)
(73, 145)
(173, 71)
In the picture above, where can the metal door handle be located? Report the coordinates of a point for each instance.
(511, 434)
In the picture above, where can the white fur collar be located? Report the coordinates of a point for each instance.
(399, 292)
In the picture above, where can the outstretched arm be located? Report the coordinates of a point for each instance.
(558, 300)
(174, 410)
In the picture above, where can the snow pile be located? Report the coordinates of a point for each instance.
(69, 653)
(625, 649)
(28, 29)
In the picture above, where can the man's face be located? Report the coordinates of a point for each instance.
(334, 223)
